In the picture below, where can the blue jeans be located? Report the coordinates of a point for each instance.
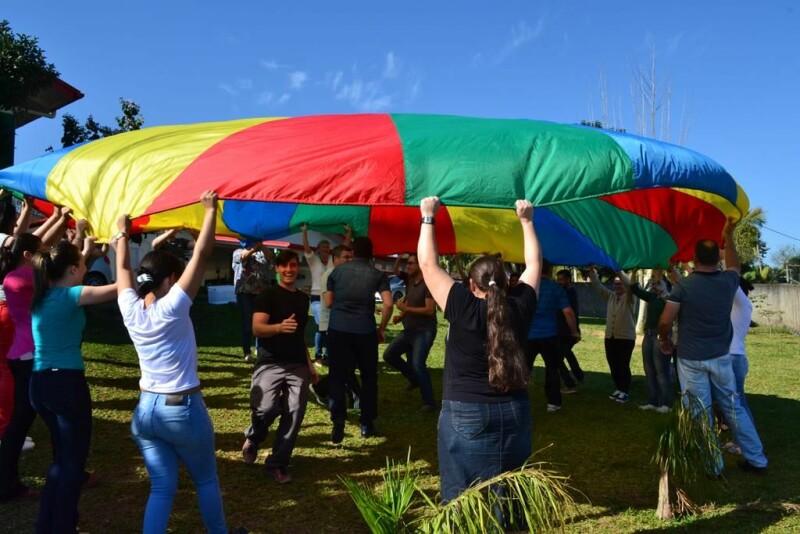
(167, 435)
(740, 367)
(61, 398)
(480, 440)
(417, 344)
(657, 372)
(246, 303)
(713, 380)
(320, 338)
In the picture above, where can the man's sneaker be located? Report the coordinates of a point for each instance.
(569, 391)
(249, 358)
(614, 395)
(662, 409)
(648, 407)
(317, 396)
(733, 448)
(744, 465)
(28, 445)
(622, 398)
(249, 451)
(280, 474)
(369, 431)
(337, 434)
(553, 408)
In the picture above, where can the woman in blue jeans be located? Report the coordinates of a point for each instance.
(171, 423)
(58, 389)
(485, 426)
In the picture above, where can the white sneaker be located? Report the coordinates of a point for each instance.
(553, 408)
(614, 395)
(662, 409)
(28, 445)
(648, 407)
(622, 398)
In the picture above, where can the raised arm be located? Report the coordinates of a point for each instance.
(120, 242)
(306, 247)
(731, 256)
(192, 277)
(532, 249)
(604, 292)
(348, 235)
(24, 219)
(159, 241)
(438, 281)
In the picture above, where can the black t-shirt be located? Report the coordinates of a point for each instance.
(280, 304)
(466, 369)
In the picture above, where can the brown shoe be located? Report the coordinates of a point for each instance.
(249, 451)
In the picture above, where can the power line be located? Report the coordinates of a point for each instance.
(780, 233)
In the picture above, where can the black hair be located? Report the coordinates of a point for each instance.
(156, 266)
(746, 285)
(8, 216)
(285, 256)
(362, 248)
(565, 272)
(507, 369)
(706, 252)
(11, 257)
(338, 250)
(53, 265)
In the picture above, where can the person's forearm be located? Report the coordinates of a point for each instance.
(386, 314)
(24, 219)
(205, 241)
(54, 233)
(731, 256)
(427, 254)
(532, 247)
(572, 323)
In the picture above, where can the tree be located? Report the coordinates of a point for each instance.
(74, 132)
(24, 70)
(747, 237)
(786, 261)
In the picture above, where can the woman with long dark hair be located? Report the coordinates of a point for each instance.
(59, 392)
(171, 424)
(485, 425)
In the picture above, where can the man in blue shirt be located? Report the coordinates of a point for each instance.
(352, 336)
(543, 333)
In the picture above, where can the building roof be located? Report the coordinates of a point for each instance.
(46, 102)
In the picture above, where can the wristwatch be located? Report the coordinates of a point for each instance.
(118, 236)
(427, 219)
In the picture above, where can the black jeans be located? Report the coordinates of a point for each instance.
(61, 397)
(548, 348)
(246, 302)
(14, 437)
(565, 345)
(346, 353)
(618, 355)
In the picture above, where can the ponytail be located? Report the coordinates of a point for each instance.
(156, 266)
(51, 266)
(507, 369)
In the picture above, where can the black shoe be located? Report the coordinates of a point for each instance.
(368, 431)
(337, 435)
(744, 465)
(428, 408)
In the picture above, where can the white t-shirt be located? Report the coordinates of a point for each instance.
(317, 269)
(324, 311)
(163, 335)
(741, 314)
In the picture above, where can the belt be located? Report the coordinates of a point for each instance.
(314, 298)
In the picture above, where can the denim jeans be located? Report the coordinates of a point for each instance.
(417, 344)
(740, 367)
(320, 338)
(167, 435)
(713, 381)
(478, 441)
(657, 372)
(246, 302)
(61, 398)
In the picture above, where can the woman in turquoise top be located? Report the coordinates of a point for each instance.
(59, 391)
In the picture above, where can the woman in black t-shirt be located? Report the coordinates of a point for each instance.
(485, 425)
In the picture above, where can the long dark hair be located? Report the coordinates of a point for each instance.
(11, 257)
(8, 216)
(156, 266)
(507, 369)
(53, 265)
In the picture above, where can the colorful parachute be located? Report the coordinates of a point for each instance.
(601, 197)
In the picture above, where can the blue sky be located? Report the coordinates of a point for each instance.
(732, 68)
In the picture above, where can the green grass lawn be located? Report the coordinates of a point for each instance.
(604, 447)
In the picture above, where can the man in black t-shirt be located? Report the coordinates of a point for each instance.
(283, 369)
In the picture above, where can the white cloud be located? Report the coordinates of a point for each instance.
(337, 79)
(245, 84)
(264, 99)
(228, 88)
(297, 79)
(521, 34)
(390, 68)
(269, 64)
(284, 98)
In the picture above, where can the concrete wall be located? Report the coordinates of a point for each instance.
(777, 304)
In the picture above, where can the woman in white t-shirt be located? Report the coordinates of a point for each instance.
(171, 423)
